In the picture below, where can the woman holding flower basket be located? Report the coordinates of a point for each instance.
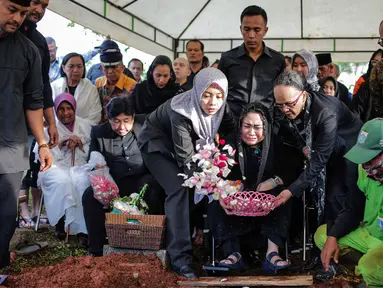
(256, 169)
(167, 142)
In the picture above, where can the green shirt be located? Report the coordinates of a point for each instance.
(374, 203)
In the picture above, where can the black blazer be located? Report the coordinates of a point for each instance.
(334, 128)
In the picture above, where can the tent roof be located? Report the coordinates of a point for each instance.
(164, 26)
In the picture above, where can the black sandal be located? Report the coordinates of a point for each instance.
(234, 265)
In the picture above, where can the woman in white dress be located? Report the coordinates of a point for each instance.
(63, 185)
(73, 81)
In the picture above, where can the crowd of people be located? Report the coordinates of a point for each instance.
(295, 128)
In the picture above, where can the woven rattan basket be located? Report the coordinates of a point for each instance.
(146, 236)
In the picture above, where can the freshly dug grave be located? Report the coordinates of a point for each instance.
(117, 270)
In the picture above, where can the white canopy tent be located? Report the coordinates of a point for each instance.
(346, 28)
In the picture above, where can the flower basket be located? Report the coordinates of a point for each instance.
(250, 203)
(147, 232)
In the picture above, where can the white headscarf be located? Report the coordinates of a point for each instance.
(312, 64)
(188, 104)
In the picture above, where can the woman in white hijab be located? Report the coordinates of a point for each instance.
(167, 142)
(306, 64)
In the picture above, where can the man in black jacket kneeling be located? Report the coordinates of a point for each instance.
(116, 140)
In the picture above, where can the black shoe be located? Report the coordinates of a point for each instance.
(323, 275)
(82, 240)
(186, 271)
(313, 264)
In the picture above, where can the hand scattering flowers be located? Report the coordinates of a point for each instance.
(215, 167)
(103, 185)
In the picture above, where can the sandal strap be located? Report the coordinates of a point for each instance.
(230, 258)
(271, 255)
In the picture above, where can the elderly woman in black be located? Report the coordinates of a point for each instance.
(323, 129)
(167, 142)
(159, 87)
(257, 170)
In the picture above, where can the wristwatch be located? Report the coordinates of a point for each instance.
(277, 180)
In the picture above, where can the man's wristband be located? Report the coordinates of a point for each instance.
(43, 146)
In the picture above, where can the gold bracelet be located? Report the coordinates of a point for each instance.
(43, 146)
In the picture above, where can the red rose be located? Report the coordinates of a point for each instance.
(222, 142)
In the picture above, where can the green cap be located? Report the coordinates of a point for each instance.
(369, 144)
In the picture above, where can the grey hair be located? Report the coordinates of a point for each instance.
(291, 79)
(50, 40)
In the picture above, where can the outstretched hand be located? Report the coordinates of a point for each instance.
(330, 250)
(282, 198)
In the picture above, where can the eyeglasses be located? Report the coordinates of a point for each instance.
(380, 42)
(289, 104)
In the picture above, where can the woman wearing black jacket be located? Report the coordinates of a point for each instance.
(256, 169)
(324, 129)
(367, 103)
(167, 142)
(159, 87)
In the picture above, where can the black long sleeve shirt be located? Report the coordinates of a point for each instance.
(28, 29)
(250, 81)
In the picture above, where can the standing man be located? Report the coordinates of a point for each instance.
(114, 83)
(325, 69)
(21, 89)
(252, 67)
(137, 68)
(95, 71)
(380, 42)
(28, 28)
(182, 71)
(54, 70)
(194, 53)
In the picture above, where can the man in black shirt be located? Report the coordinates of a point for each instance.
(182, 70)
(21, 95)
(116, 140)
(194, 53)
(252, 67)
(28, 28)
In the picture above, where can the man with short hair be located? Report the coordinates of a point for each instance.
(28, 28)
(182, 71)
(137, 68)
(252, 67)
(194, 53)
(325, 69)
(114, 83)
(54, 70)
(21, 96)
(368, 237)
(95, 71)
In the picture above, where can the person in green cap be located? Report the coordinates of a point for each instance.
(368, 237)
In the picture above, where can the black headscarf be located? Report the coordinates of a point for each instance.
(367, 75)
(252, 159)
(147, 96)
(334, 81)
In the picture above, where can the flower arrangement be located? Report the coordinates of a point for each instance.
(215, 166)
(211, 182)
(103, 185)
(133, 204)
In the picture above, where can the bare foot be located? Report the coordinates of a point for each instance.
(198, 240)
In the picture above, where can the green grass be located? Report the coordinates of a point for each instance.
(56, 252)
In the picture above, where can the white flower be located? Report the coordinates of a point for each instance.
(225, 172)
(183, 175)
(233, 202)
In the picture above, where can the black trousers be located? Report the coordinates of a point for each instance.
(94, 213)
(9, 195)
(178, 238)
(227, 229)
